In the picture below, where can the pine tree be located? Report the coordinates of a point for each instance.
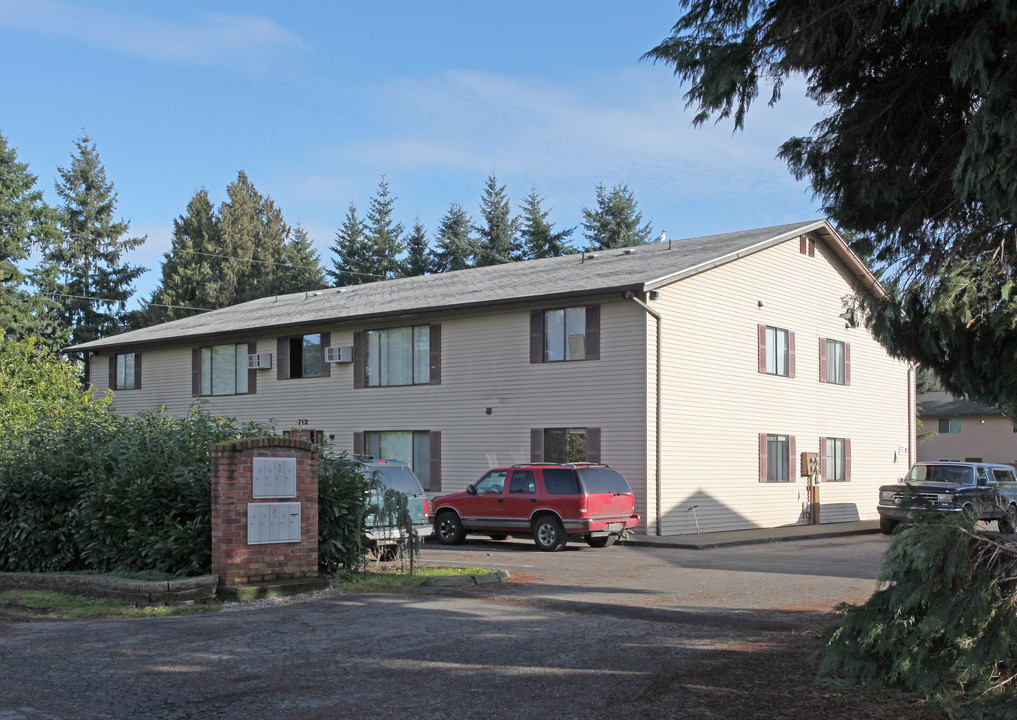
(615, 222)
(418, 259)
(301, 270)
(193, 266)
(383, 234)
(89, 273)
(26, 223)
(537, 234)
(455, 247)
(497, 243)
(254, 236)
(353, 261)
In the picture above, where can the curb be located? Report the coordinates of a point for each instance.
(711, 544)
(463, 580)
(185, 591)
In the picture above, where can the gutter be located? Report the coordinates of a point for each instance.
(630, 295)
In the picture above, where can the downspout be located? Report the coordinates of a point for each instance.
(630, 295)
(912, 410)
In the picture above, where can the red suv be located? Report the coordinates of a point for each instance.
(550, 502)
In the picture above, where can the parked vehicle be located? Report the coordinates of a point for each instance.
(384, 541)
(553, 503)
(983, 491)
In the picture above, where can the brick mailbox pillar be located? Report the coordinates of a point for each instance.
(264, 510)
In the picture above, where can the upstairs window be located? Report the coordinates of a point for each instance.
(125, 371)
(397, 356)
(949, 426)
(222, 370)
(565, 334)
(565, 445)
(776, 351)
(834, 362)
(306, 356)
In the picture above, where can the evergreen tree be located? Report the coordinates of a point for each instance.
(917, 153)
(254, 236)
(26, 223)
(615, 222)
(455, 247)
(193, 266)
(418, 259)
(89, 273)
(383, 234)
(301, 270)
(537, 234)
(353, 261)
(497, 242)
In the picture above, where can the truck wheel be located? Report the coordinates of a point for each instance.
(887, 525)
(601, 542)
(548, 533)
(449, 528)
(385, 553)
(1008, 523)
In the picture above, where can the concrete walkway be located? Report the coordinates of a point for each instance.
(757, 536)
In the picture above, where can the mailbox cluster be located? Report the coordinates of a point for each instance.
(273, 522)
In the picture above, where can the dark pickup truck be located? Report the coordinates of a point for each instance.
(983, 491)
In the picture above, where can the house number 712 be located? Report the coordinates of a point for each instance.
(303, 422)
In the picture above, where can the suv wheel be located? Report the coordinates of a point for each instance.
(548, 533)
(1008, 523)
(449, 529)
(601, 542)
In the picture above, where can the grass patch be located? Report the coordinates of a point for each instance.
(383, 581)
(48, 605)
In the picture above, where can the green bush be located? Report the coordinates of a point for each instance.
(106, 493)
(942, 622)
(342, 510)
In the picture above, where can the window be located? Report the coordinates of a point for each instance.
(565, 445)
(560, 481)
(834, 362)
(775, 454)
(949, 426)
(397, 356)
(776, 351)
(523, 482)
(565, 334)
(305, 356)
(125, 371)
(222, 370)
(491, 484)
(835, 460)
(412, 447)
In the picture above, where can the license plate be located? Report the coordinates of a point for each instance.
(615, 527)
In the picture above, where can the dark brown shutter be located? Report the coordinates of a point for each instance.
(282, 358)
(536, 336)
(762, 457)
(593, 445)
(793, 468)
(252, 373)
(435, 357)
(593, 332)
(358, 359)
(847, 459)
(324, 368)
(89, 359)
(762, 348)
(847, 363)
(822, 458)
(803, 245)
(195, 372)
(112, 372)
(812, 248)
(537, 445)
(435, 461)
(137, 371)
(822, 360)
(790, 354)
(358, 443)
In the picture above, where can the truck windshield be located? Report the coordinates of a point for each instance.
(396, 477)
(603, 480)
(957, 474)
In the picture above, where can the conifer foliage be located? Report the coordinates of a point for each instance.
(537, 234)
(615, 221)
(455, 245)
(497, 232)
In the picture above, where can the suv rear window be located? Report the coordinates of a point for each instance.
(603, 480)
(560, 481)
(396, 477)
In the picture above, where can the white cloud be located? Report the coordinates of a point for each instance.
(235, 41)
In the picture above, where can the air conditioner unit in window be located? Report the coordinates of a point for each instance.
(259, 361)
(339, 354)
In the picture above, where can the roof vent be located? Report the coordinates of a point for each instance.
(627, 251)
(592, 256)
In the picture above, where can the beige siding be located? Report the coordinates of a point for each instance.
(988, 438)
(717, 403)
(485, 364)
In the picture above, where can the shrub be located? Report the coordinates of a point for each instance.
(342, 510)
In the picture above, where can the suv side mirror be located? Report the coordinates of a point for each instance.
(470, 489)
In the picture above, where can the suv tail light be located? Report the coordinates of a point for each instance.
(584, 500)
(427, 507)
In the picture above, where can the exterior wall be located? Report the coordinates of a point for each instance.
(990, 438)
(716, 403)
(485, 364)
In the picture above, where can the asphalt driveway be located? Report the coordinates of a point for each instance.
(582, 632)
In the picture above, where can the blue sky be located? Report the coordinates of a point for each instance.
(316, 100)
